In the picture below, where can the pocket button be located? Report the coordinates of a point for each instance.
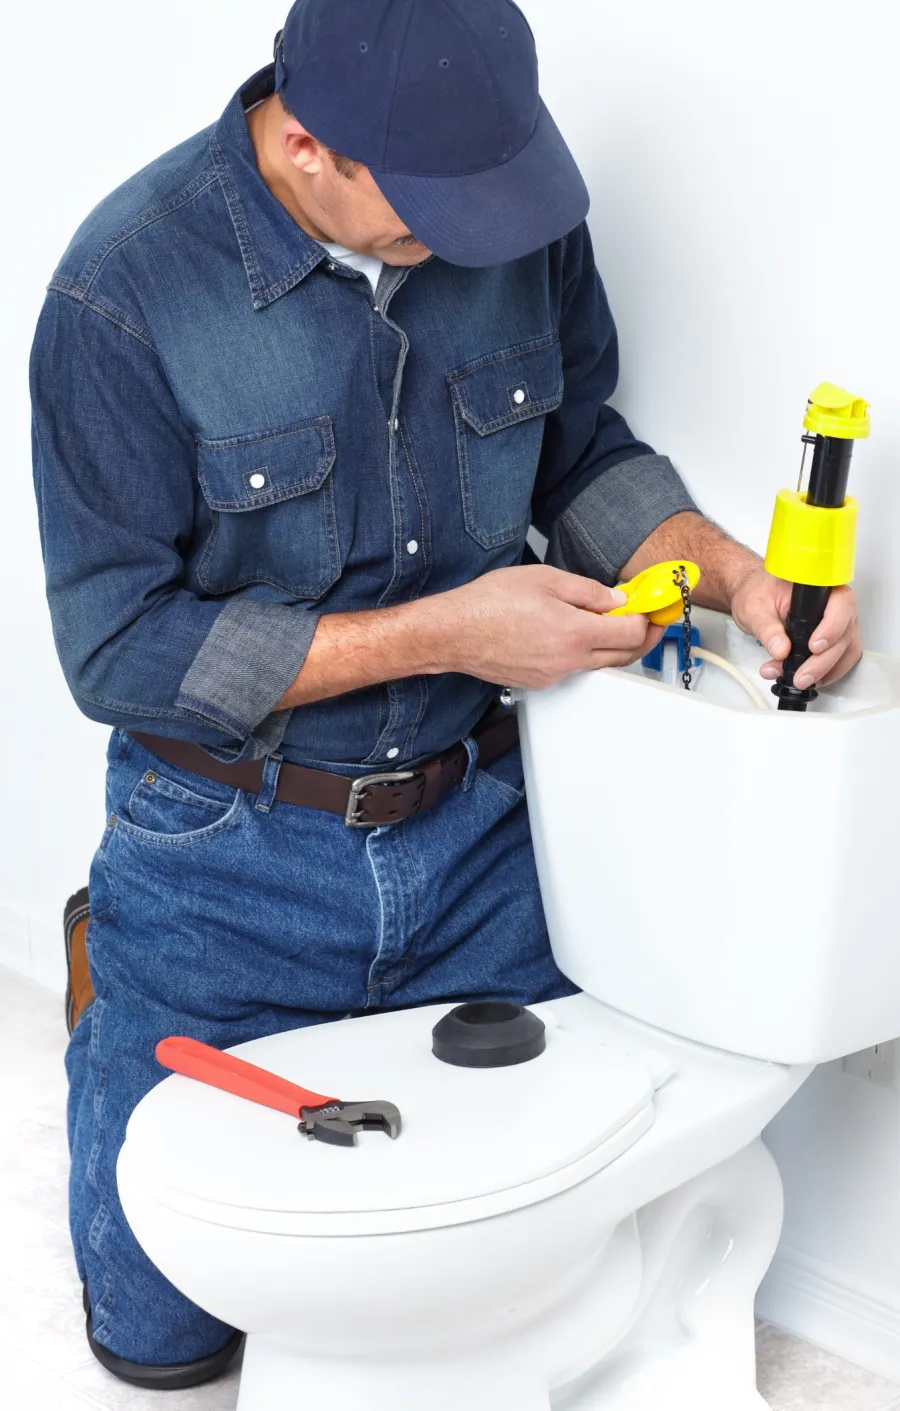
(150, 778)
(257, 481)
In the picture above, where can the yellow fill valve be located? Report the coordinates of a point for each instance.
(834, 412)
(815, 543)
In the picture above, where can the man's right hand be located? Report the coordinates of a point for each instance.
(531, 626)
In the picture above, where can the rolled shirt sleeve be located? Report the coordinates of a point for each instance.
(610, 520)
(600, 492)
(115, 480)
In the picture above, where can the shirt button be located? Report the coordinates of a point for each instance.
(392, 754)
(518, 396)
(413, 546)
(257, 481)
(396, 424)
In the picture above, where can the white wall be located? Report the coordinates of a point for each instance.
(746, 226)
(836, 1277)
(742, 163)
(94, 91)
(743, 170)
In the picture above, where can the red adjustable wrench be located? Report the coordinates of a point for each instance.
(324, 1119)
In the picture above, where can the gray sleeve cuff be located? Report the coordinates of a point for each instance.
(609, 521)
(249, 659)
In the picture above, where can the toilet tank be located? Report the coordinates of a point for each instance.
(728, 874)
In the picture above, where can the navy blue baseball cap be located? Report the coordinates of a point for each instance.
(439, 99)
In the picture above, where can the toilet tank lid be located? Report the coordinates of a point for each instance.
(467, 1133)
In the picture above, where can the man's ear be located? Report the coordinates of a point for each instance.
(302, 150)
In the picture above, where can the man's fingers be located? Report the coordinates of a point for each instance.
(653, 638)
(834, 646)
(823, 669)
(815, 670)
(616, 634)
(839, 619)
(830, 666)
(621, 655)
(601, 659)
(586, 593)
(770, 633)
(847, 662)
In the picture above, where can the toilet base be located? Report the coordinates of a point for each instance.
(274, 1378)
(686, 1342)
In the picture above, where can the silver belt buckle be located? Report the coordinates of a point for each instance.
(360, 787)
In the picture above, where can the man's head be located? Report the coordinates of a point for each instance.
(435, 106)
(334, 198)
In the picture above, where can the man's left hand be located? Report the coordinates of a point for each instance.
(760, 606)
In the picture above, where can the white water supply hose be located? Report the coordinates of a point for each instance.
(715, 660)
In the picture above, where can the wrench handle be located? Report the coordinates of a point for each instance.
(234, 1075)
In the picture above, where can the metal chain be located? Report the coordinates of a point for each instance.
(682, 582)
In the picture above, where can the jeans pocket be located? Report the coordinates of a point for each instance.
(183, 836)
(155, 802)
(506, 776)
(159, 805)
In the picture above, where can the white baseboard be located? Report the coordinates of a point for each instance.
(31, 946)
(834, 1310)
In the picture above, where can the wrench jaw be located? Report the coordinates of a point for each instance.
(338, 1123)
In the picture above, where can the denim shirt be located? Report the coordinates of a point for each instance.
(233, 436)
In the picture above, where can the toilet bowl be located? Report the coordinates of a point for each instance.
(586, 1230)
(489, 1265)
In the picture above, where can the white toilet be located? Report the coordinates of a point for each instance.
(586, 1230)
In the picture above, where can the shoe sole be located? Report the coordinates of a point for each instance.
(178, 1377)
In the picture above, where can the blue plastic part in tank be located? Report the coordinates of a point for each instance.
(654, 660)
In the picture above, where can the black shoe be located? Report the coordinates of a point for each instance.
(174, 1378)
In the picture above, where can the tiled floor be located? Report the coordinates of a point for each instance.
(44, 1362)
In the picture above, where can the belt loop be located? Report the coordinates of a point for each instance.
(271, 771)
(471, 749)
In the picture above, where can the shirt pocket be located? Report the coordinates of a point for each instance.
(273, 514)
(500, 402)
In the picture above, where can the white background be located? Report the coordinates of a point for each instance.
(96, 90)
(742, 161)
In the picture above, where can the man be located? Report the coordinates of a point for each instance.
(300, 387)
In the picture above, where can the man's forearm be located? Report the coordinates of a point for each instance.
(526, 626)
(724, 563)
(352, 650)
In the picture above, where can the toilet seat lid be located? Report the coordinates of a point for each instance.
(467, 1133)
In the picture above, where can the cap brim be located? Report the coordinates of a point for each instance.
(493, 216)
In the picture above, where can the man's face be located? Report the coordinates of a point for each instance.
(353, 213)
(334, 200)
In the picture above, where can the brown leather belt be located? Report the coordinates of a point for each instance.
(367, 802)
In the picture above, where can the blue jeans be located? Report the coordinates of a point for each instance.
(226, 917)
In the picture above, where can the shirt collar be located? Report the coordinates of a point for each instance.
(277, 254)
